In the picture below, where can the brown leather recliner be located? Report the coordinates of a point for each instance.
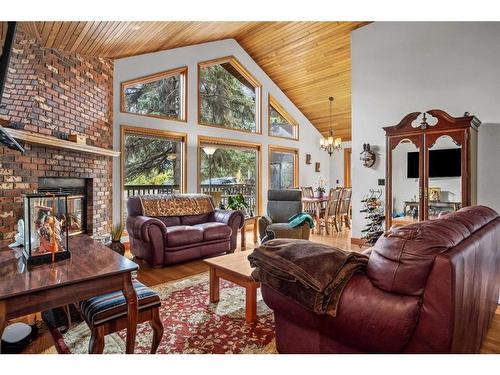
(164, 240)
(429, 287)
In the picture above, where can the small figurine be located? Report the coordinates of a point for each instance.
(19, 237)
(50, 234)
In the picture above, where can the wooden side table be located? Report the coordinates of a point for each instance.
(249, 220)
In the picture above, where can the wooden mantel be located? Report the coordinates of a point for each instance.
(48, 141)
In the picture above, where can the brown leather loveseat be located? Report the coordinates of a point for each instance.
(429, 287)
(166, 230)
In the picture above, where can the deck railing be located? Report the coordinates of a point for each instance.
(131, 190)
(247, 190)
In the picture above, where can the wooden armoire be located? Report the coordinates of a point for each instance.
(420, 147)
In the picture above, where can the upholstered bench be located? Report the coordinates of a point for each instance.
(107, 313)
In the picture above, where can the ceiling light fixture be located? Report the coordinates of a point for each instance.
(330, 144)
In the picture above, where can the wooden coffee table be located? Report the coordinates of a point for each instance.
(235, 268)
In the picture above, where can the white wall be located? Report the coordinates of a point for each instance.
(337, 166)
(398, 68)
(138, 66)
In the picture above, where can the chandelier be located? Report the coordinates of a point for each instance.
(330, 144)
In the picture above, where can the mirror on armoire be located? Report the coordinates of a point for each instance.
(406, 182)
(444, 185)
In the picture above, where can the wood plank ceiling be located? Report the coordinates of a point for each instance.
(309, 61)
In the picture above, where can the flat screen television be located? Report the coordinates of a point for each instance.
(442, 163)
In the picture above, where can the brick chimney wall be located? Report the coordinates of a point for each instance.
(56, 93)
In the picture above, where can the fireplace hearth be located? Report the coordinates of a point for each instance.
(77, 199)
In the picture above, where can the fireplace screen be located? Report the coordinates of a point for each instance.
(76, 188)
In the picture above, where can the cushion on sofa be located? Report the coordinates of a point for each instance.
(214, 231)
(283, 230)
(170, 221)
(100, 309)
(183, 235)
(196, 219)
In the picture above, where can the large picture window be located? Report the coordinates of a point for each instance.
(229, 96)
(283, 168)
(229, 169)
(281, 124)
(160, 95)
(153, 161)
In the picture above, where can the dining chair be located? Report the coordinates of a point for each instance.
(307, 191)
(345, 208)
(309, 207)
(329, 215)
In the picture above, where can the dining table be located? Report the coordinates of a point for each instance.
(92, 270)
(315, 204)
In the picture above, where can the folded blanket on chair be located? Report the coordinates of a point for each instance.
(312, 274)
(300, 219)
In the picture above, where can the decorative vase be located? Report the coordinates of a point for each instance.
(117, 247)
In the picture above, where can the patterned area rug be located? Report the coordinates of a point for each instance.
(191, 323)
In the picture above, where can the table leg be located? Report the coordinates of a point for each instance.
(3, 313)
(214, 285)
(255, 227)
(243, 237)
(251, 303)
(132, 309)
(318, 219)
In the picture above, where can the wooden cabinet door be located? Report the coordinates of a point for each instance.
(406, 179)
(445, 163)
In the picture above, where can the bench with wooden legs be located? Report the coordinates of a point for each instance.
(107, 313)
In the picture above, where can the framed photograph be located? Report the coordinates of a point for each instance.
(308, 158)
(434, 194)
(317, 167)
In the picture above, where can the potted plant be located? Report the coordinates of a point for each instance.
(116, 235)
(321, 191)
(237, 202)
(321, 186)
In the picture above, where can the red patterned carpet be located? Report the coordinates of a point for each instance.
(192, 324)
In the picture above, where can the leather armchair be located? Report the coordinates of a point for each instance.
(429, 287)
(281, 205)
(168, 240)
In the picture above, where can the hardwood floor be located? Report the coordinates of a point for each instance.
(151, 276)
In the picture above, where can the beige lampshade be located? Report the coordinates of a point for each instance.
(209, 150)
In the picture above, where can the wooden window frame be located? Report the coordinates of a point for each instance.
(233, 143)
(183, 72)
(287, 150)
(155, 132)
(272, 102)
(258, 93)
(347, 166)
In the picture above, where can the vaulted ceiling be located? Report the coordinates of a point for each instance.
(309, 61)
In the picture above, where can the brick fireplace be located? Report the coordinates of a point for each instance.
(57, 93)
